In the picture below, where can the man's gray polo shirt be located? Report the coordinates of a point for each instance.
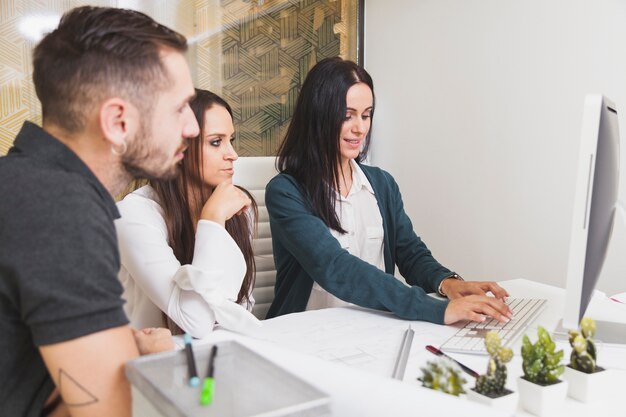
(58, 262)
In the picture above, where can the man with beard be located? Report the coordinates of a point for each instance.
(115, 90)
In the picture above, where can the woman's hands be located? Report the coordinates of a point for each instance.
(455, 288)
(153, 340)
(226, 201)
(468, 301)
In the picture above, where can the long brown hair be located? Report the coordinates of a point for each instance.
(180, 208)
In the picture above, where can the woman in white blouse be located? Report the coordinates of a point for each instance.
(185, 243)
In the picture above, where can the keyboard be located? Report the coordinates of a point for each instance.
(471, 337)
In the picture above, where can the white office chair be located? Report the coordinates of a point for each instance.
(253, 173)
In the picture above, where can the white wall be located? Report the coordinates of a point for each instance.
(479, 106)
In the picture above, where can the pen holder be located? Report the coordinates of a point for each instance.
(160, 386)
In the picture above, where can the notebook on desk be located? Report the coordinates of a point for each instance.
(470, 338)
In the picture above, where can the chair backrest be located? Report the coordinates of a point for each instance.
(253, 173)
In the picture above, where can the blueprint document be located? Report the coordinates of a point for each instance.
(361, 338)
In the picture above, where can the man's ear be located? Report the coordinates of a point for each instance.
(116, 121)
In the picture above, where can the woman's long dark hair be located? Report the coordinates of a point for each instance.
(180, 208)
(310, 151)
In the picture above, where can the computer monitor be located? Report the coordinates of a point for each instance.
(595, 206)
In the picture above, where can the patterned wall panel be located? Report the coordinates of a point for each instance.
(14, 73)
(254, 53)
(21, 23)
(257, 54)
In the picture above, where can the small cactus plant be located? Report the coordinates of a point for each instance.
(541, 364)
(583, 357)
(443, 375)
(492, 383)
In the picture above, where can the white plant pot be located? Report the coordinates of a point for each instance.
(587, 387)
(541, 400)
(506, 403)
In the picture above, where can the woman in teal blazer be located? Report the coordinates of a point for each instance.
(339, 228)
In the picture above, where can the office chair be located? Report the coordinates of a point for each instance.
(253, 173)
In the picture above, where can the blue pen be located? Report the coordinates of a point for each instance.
(194, 381)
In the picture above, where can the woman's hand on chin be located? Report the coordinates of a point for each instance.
(226, 201)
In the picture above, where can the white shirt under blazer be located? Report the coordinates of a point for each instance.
(360, 217)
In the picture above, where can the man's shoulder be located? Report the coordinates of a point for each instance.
(25, 169)
(40, 200)
(35, 179)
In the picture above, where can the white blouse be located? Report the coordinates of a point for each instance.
(194, 296)
(360, 216)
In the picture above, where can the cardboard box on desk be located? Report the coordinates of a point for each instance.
(246, 385)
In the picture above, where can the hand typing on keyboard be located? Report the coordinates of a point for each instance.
(468, 301)
(470, 338)
(454, 288)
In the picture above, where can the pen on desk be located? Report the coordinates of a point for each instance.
(206, 397)
(403, 354)
(437, 352)
(194, 381)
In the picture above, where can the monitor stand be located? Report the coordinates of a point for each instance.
(607, 332)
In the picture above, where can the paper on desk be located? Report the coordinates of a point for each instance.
(366, 339)
(604, 308)
(619, 298)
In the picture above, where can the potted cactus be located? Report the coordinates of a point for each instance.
(490, 388)
(443, 375)
(541, 390)
(587, 381)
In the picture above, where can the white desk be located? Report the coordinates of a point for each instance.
(350, 353)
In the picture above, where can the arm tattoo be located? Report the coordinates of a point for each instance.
(73, 393)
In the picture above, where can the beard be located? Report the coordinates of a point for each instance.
(142, 162)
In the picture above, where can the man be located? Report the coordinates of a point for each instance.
(114, 88)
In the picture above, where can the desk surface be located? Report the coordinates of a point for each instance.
(350, 353)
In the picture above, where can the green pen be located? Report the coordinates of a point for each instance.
(206, 397)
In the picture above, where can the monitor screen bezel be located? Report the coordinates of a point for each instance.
(596, 197)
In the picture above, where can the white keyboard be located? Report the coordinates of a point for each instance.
(471, 338)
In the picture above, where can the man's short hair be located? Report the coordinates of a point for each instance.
(97, 53)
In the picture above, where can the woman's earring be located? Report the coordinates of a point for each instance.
(121, 151)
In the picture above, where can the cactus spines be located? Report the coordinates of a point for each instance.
(492, 383)
(583, 357)
(443, 375)
(540, 362)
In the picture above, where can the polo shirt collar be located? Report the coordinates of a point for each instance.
(35, 142)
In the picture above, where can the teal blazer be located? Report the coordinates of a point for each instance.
(305, 251)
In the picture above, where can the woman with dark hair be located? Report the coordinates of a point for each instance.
(339, 227)
(185, 243)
